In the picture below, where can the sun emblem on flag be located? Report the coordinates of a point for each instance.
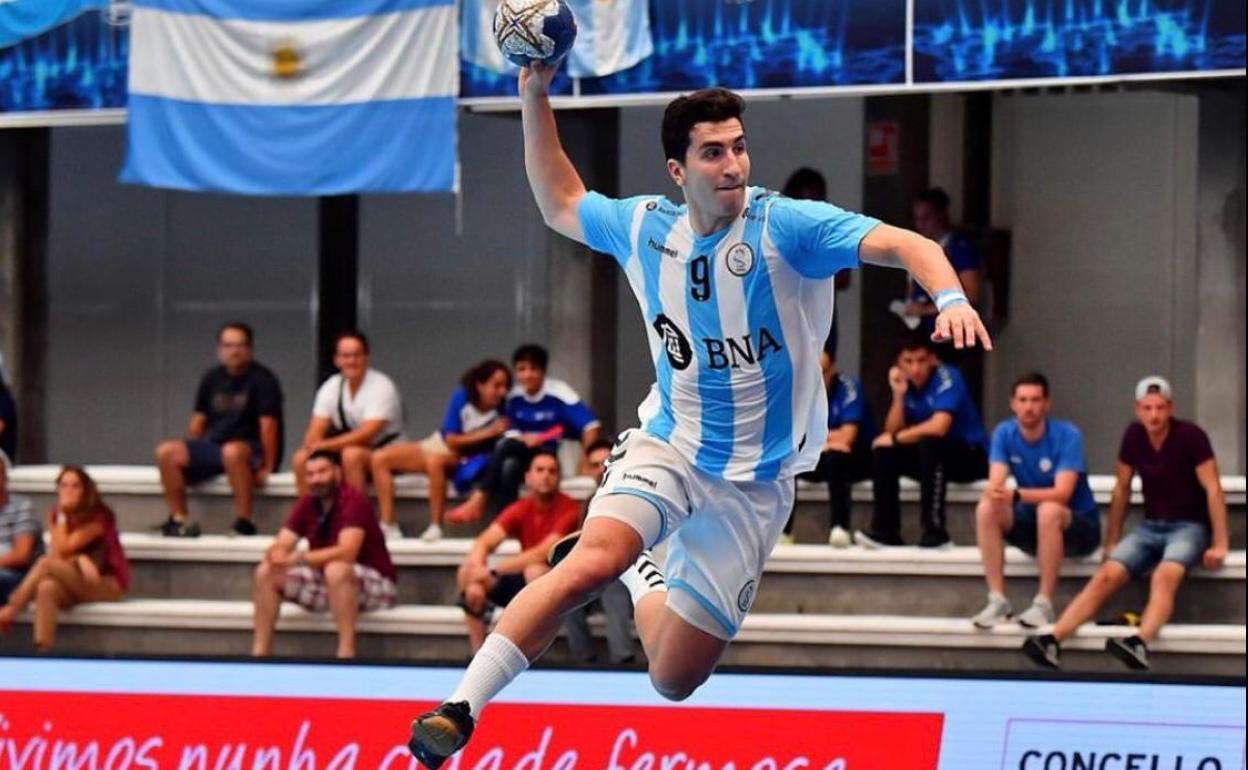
(518, 23)
(287, 61)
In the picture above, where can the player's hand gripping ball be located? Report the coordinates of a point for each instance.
(534, 29)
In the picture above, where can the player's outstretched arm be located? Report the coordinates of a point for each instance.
(556, 185)
(896, 247)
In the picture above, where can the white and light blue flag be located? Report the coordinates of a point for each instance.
(293, 97)
(612, 35)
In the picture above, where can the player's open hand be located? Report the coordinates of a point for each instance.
(961, 325)
(535, 79)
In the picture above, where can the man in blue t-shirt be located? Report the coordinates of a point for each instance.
(1051, 513)
(933, 434)
(846, 453)
(931, 219)
(540, 411)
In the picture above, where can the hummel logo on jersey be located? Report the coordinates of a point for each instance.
(663, 249)
(679, 351)
(733, 352)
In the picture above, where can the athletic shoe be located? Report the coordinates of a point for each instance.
(432, 534)
(1132, 651)
(440, 733)
(1044, 651)
(840, 538)
(562, 547)
(178, 528)
(242, 527)
(390, 530)
(997, 610)
(875, 541)
(936, 539)
(1040, 613)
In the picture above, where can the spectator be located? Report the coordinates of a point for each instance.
(846, 453)
(616, 605)
(356, 412)
(541, 411)
(932, 433)
(1051, 513)
(808, 184)
(8, 424)
(537, 521)
(346, 567)
(236, 429)
(85, 562)
(462, 447)
(20, 539)
(1184, 526)
(931, 220)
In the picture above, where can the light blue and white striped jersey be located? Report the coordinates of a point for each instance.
(738, 318)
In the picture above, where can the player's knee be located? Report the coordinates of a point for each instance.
(338, 572)
(235, 453)
(1051, 515)
(355, 456)
(1111, 575)
(675, 686)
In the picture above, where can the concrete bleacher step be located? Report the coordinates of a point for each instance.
(805, 579)
(134, 493)
(424, 633)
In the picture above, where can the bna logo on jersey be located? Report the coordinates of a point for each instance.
(679, 353)
(740, 259)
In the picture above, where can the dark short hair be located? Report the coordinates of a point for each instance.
(602, 443)
(480, 373)
(915, 340)
(1032, 378)
(544, 453)
(353, 334)
(806, 178)
(531, 354)
(324, 454)
(935, 197)
(238, 326)
(710, 105)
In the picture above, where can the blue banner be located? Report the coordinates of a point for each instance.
(62, 55)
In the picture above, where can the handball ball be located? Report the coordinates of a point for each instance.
(534, 29)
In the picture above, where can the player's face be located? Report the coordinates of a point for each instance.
(233, 350)
(597, 460)
(716, 169)
(929, 221)
(917, 365)
(1029, 405)
(350, 358)
(322, 476)
(530, 376)
(1154, 412)
(543, 475)
(494, 390)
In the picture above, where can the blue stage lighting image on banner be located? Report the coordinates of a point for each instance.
(977, 40)
(748, 44)
(62, 55)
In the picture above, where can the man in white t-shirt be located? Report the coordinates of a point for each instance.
(355, 411)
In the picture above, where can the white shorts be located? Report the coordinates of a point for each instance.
(721, 532)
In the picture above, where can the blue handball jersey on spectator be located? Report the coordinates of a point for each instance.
(847, 404)
(945, 391)
(464, 417)
(1035, 466)
(555, 404)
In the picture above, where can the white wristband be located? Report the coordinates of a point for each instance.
(950, 297)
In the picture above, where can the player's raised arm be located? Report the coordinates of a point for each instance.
(895, 247)
(556, 185)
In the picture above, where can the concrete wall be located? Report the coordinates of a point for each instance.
(825, 134)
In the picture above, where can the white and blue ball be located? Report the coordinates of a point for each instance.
(534, 29)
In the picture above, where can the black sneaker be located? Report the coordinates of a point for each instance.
(178, 528)
(562, 547)
(243, 527)
(440, 733)
(875, 540)
(935, 538)
(1044, 651)
(1132, 651)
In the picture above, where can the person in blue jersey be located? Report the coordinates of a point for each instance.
(540, 411)
(845, 456)
(933, 434)
(931, 219)
(735, 286)
(1049, 514)
(460, 448)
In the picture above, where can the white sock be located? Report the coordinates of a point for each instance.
(643, 577)
(493, 667)
(994, 596)
(1043, 601)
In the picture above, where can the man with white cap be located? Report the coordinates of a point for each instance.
(1184, 526)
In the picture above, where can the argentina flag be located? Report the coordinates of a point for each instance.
(293, 97)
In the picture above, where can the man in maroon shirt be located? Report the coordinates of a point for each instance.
(1184, 526)
(346, 567)
(537, 521)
